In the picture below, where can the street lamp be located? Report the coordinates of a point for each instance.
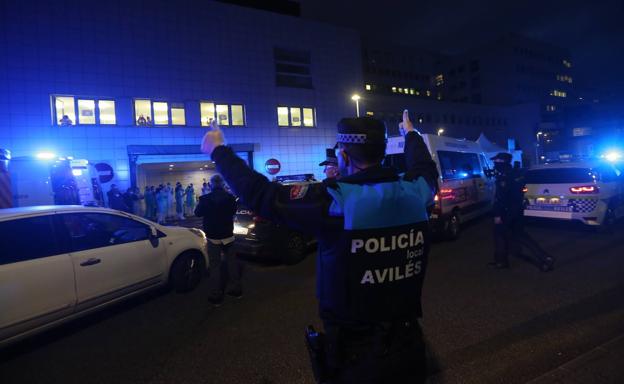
(356, 98)
(537, 140)
(440, 131)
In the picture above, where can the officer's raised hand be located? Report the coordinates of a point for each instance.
(406, 126)
(212, 139)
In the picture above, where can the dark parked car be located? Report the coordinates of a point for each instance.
(266, 240)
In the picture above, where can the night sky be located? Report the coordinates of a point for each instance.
(593, 31)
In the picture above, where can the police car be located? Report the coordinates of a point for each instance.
(266, 240)
(589, 192)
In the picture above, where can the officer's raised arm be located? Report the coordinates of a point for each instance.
(278, 203)
(418, 160)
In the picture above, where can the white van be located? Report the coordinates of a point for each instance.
(47, 182)
(465, 190)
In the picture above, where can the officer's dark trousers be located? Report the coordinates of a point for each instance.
(380, 356)
(224, 268)
(510, 237)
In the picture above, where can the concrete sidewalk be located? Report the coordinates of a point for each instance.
(601, 365)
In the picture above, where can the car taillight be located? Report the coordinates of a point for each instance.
(585, 189)
(446, 194)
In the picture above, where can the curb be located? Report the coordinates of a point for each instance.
(568, 368)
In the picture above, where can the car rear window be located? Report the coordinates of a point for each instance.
(559, 176)
(27, 239)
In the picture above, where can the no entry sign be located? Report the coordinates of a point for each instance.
(272, 166)
(105, 172)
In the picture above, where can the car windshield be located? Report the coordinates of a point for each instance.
(559, 176)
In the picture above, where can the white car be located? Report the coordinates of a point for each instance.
(61, 262)
(589, 192)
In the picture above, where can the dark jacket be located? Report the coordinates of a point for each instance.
(508, 197)
(116, 200)
(218, 209)
(372, 230)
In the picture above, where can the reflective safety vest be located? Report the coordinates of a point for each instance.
(373, 270)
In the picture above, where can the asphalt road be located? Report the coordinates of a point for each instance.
(482, 325)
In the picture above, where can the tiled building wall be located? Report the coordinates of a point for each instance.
(172, 51)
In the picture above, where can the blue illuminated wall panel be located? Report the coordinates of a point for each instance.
(174, 51)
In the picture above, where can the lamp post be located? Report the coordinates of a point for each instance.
(537, 140)
(356, 98)
(440, 131)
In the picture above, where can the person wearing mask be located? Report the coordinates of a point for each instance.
(179, 200)
(170, 211)
(149, 201)
(162, 199)
(116, 199)
(217, 209)
(129, 199)
(137, 202)
(205, 189)
(373, 233)
(508, 210)
(190, 200)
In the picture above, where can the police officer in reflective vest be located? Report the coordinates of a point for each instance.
(373, 244)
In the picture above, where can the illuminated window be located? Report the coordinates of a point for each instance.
(295, 117)
(143, 112)
(161, 113)
(400, 90)
(411, 91)
(177, 114)
(428, 93)
(238, 115)
(207, 112)
(417, 92)
(107, 112)
(558, 93)
(369, 113)
(394, 89)
(282, 116)
(86, 111)
(65, 110)
(439, 80)
(308, 117)
(368, 87)
(223, 114)
(567, 63)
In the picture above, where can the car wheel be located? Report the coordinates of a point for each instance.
(186, 272)
(452, 227)
(608, 222)
(294, 249)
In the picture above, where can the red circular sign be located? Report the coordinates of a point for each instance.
(272, 166)
(105, 172)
